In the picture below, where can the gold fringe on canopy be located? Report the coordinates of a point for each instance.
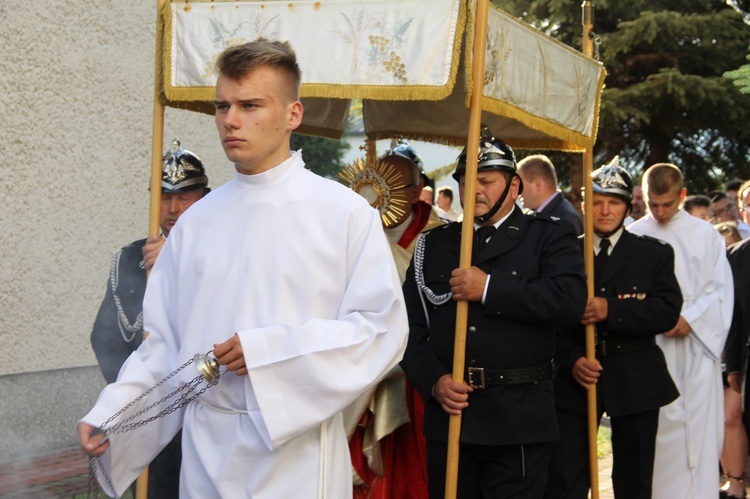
(538, 92)
(400, 92)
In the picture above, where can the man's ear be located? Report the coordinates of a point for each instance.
(683, 193)
(295, 115)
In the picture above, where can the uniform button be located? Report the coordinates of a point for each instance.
(603, 290)
(514, 273)
(472, 329)
(635, 287)
(472, 362)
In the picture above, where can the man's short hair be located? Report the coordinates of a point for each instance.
(238, 61)
(446, 191)
(716, 196)
(695, 201)
(662, 178)
(539, 165)
(733, 185)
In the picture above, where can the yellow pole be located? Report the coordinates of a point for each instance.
(587, 8)
(467, 234)
(157, 145)
(157, 135)
(371, 151)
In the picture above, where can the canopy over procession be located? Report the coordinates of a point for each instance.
(305, 337)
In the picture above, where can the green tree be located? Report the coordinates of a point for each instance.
(666, 99)
(741, 76)
(322, 156)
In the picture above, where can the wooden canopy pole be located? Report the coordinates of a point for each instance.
(157, 146)
(587, 8)
(157, 135)
(467, 233)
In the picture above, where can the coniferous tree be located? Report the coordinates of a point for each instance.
(666, 99)
(322, 156)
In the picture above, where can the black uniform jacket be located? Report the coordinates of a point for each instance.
(536, 280)
(107, 338)
(736, 350)
(561, 207)
(643, 300)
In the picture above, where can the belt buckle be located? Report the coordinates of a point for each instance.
(480, 372)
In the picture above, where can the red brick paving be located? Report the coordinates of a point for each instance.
(65, 475)
(62, 474)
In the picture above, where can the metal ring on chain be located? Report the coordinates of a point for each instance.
(435, 299)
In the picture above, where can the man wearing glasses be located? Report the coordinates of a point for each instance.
(724, 210)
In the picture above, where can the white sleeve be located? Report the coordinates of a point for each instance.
(711, 314)
(129, 453)
(301, 375)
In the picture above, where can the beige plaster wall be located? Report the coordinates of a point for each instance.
(76, 86)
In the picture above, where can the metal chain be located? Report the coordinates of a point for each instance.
(597, 43)
(177, 404)
(124, 322)
(93, 491)
(419, 275)
(102, 427)
(125, 425)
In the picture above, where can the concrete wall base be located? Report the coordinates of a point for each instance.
(39, 410)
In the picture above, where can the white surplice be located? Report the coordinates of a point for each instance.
(691, 429)
(299, 267)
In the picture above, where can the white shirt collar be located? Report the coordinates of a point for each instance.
(612, 241)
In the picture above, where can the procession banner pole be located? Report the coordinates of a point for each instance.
(467, 233)
(157, 145)
(587, 8)
(157, 135)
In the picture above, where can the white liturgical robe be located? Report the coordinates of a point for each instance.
(298, 266)
(691, 429)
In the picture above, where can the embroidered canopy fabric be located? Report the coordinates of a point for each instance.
(408, 60)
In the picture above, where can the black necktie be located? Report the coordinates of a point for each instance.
(601, 259)
(482, 234)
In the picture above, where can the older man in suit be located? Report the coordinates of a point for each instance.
(637, 297)
(527, 276)
(541, 194)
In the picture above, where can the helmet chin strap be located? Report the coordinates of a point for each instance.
(622, 222)
(483, 218)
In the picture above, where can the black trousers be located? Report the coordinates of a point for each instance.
(633, 448)
(491, 471)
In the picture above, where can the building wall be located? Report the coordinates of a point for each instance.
(76, 96)
(76, 100)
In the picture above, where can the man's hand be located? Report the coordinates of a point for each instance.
(681, 330)
(93, 444)
(452, 396)
(597, 310)
(230, 354)
(734, 381)
(468, 284)
(586, 372)
(151, 250)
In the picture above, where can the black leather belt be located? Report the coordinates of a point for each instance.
(481, 377)
(609, 347)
